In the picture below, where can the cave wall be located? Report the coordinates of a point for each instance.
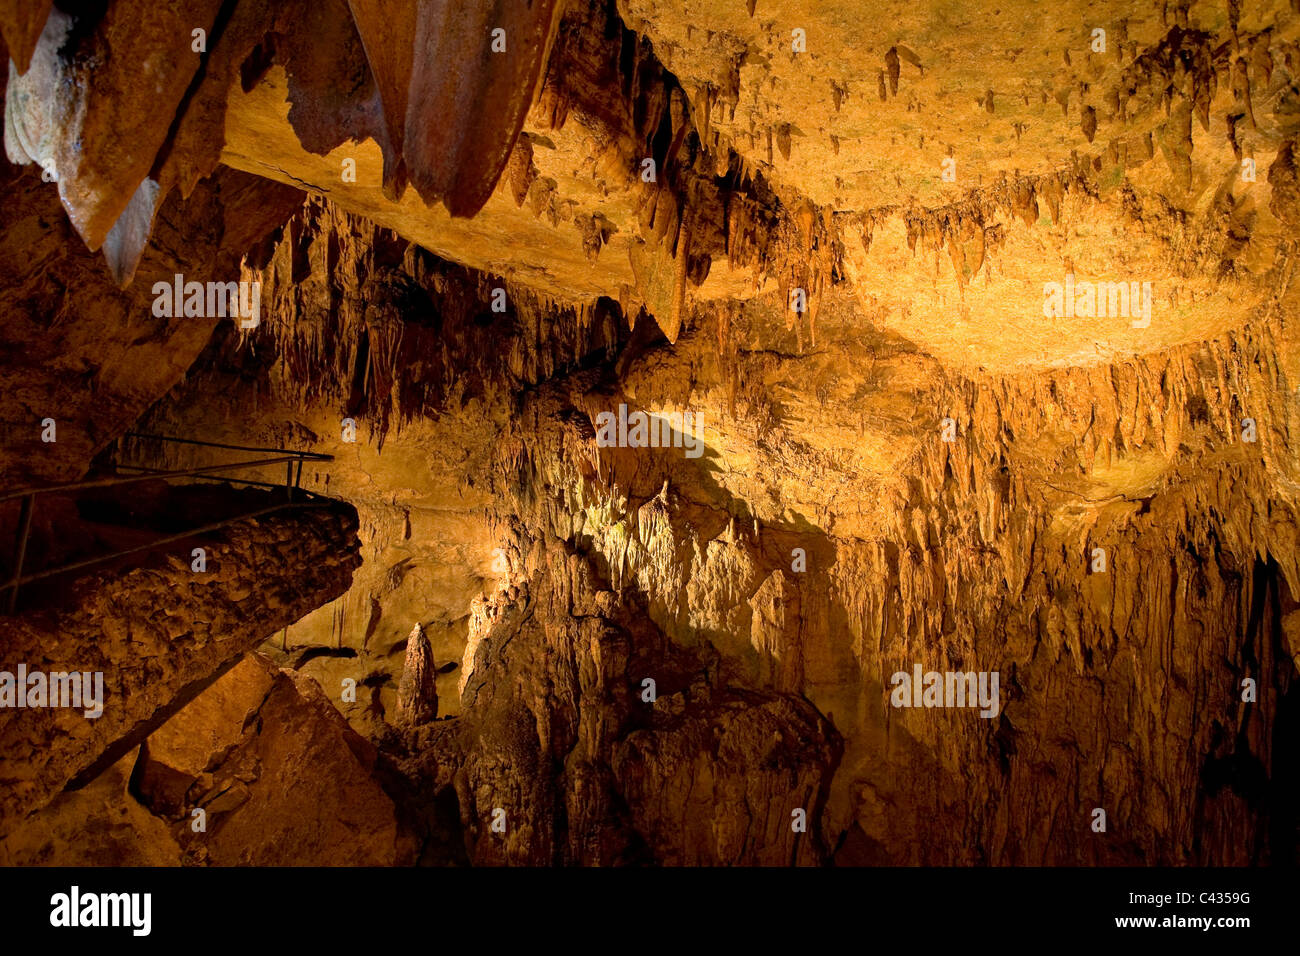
(917, 467)
(1119, 689)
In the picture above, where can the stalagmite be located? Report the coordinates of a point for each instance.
(417, 693)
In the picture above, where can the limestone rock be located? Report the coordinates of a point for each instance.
(988, 341)
(417, 693)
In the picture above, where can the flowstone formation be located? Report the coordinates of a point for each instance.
(717, 432)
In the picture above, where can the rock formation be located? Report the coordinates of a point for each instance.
(807, 438)
(417, 691)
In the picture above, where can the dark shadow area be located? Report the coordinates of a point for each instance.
(100, 530)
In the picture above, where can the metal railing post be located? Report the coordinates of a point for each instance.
(20, 551)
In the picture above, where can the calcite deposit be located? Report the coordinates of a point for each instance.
(742, 432)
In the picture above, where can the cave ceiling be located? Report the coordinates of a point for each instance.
(958, 295)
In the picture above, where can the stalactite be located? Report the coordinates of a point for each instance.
(383, 349)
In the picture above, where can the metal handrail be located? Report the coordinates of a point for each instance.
(180, 536)
(313, 455)
(29, 495)
(155, 472)
(129, 479)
